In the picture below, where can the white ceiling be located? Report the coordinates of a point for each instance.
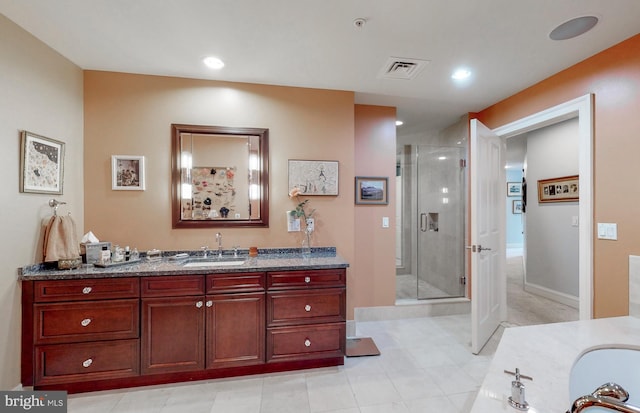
(314, 43)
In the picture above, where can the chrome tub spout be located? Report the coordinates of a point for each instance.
(610, 396)
(608, 403)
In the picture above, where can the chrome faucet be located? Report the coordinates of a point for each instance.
(219, 239)
(609, 396)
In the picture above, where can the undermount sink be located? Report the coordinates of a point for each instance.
(213, 262)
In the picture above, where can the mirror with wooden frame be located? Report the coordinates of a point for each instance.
(220, 176)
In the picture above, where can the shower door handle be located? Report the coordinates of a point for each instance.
(423, 222)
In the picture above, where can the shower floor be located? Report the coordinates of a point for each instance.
(406, 285)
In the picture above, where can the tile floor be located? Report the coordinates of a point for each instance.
(425, 366)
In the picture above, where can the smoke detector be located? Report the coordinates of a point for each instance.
(402, 68)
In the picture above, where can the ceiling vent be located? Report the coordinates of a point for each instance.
(402, 68)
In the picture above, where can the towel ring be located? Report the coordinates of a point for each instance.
(54, 203)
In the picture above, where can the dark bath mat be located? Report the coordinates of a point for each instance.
(361, 346)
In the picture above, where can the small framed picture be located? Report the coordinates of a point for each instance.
(41, 164)
(372, 190)
(127, 173)
(565, 189)
(514, 188)
(517, 206)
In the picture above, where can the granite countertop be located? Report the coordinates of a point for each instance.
(274, 259)
(547, 353)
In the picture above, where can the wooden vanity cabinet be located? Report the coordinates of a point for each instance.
(235, 314)
(172, 324)
(187, 327)
(82, 330)
(105, 333)
(306, 315)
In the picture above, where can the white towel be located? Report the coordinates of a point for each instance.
(60, 239)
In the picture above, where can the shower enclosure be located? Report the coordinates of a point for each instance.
(432, 205)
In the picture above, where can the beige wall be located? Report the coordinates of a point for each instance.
(613, 76)
(375, 145)
(41, 93)
(129, 114)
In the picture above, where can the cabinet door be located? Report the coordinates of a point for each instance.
(235, 330)
(172, 334)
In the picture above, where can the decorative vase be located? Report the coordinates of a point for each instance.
(306, 243)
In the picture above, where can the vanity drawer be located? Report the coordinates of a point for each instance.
(306, 279)
(306, 342)
(86, 321)
(64, 363)
(172, 286)
(86, 289)
(325, 305)
(235, 282)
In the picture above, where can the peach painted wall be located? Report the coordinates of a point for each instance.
(613, 76)
(127, 114)
(375, 148)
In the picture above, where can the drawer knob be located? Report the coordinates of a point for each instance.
(307, 308)
(85, 322)
(307, 343)
(86, 290)
(199, 304)
(307, 279)
(87, 363)
(209, 303)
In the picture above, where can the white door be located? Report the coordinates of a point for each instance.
(488, 192)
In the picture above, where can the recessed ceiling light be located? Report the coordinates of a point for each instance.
(213, 62)
(461, 74)
(399, 123)
(573, 28)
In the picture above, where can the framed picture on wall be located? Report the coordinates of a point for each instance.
(41, 164)
(372, 190)
(514, 188)
(313, 177)
(517, 206)
(564, 189)
(127, 173)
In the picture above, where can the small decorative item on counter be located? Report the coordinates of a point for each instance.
(135, 255)
(105, 258)
(154, 255)
(69, 263)
(306, 217)
(118, 254)
(253, 251)
(127, 253)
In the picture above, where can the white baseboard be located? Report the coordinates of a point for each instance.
(18, 388)
(562, 298)
(414, 309)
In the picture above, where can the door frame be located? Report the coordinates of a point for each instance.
(582, 108)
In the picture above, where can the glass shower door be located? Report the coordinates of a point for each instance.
(441, 219)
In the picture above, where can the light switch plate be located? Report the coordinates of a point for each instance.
(385, 222)
(607, 231)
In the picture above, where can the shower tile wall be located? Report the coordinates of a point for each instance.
(440, 255)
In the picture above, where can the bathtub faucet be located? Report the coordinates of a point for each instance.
(609, 396)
